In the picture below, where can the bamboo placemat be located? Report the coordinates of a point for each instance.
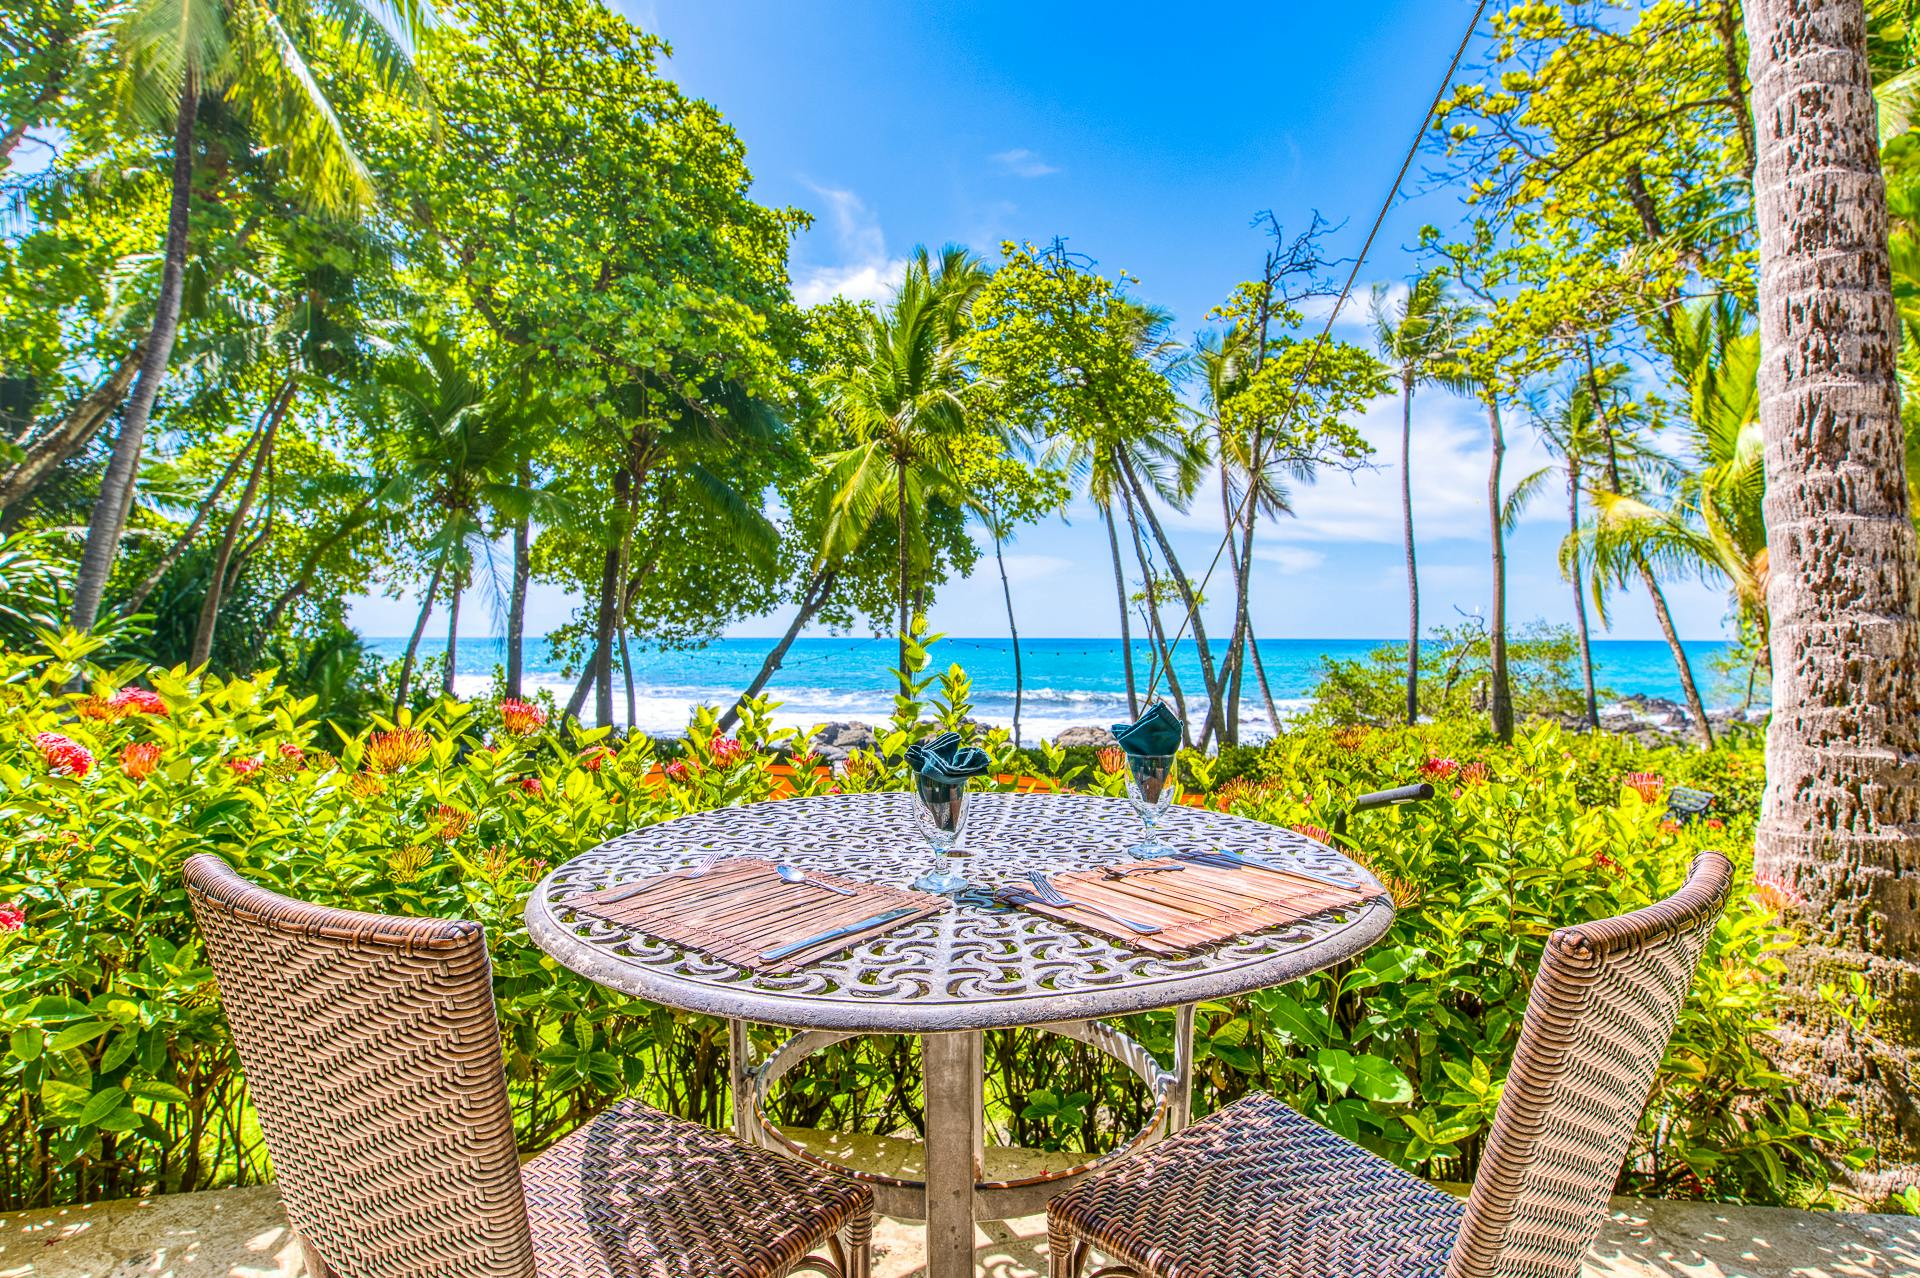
(1194, 905)
(741, 909)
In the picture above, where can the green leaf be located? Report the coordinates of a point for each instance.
(1378, 1079)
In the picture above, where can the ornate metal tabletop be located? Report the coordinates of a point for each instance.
(977, 966)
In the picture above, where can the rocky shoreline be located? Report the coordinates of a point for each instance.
(1651, 720)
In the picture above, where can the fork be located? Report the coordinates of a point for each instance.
(693, 871)
(1051, 895)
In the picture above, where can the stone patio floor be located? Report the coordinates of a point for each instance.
(242, 1233)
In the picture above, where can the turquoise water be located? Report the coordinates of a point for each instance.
(1068, 681)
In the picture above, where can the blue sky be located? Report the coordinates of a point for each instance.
(1149, 138)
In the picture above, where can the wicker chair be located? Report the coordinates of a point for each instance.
(373, 1056)
(1257, 1191)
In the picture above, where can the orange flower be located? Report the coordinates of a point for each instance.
(1669, 828)
(454, 822)
(397, 748)
(1112, 759)
(1647, 785)
(1313, 832)
(1776, 896)
(521, 718)
(593, 757)
(293, 753)
(1474, 773)
(98, 709)
(365, 785)
(138, 760)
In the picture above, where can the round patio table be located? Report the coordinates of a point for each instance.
(975, 967)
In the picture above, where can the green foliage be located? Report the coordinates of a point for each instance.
(1454, 674)
(119, 1078)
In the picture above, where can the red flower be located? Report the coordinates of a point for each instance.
(1647, 785)
(139, 760)
(1313, 832)
(594, 756)
(530, 785)
(676, 770)
(244, 767)
(1715, 823)
(1438, 769)
(453, 821)
(1607, 863)
(64, 754)
(1669, 828)
(138, 701)
(521, 718)
(294, 752)
(724, 752)
(1474, 773)
(12, 917)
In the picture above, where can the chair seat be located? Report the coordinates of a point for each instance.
(1258, 1191)
(640, 1194)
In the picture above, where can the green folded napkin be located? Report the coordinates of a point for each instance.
(1157, 732)
(945, 760)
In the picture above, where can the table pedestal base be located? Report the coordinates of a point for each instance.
(955, 1193)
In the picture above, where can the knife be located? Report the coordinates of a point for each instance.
(834, 934)
(1242, 859)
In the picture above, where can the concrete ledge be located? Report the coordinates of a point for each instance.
(242, 1233)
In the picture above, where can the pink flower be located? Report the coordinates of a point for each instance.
(243, 767)
(64, 754)
(12, 917)
(1438, 769)
(138, 701)
(293, 752)
(1313, 832)
(520, 717)
(724, 752)
(593, 757)
(138, 760)
(530, 785)
(1474, 773)
(676, 770)
(1647, 785)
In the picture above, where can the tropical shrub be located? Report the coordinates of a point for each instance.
(1455, 673)
(118, 1078)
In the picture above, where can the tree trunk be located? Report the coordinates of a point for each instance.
(43, 451)
(900, 523)
(419, 628)
(517, 597)
(811, 600)
(1580, 593)
(158, 572)
(1500, 689)
(1840, 822)
(217, 580)
(1006, 592)
(603, 640)
(453, 637)
(1157, 629)
(578, 699)
(116, 486)
(1126, 629)
(626, 673)
(1413, 572)
(1208, 674)
(355, 520)
(1688, 688)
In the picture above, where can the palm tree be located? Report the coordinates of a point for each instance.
(1837, 824)
(903, 402)
(253, 54)
(1413, 338)
(1571, 434)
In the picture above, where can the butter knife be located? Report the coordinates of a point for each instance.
(1260, 863)
(834, 934)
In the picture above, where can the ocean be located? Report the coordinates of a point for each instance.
(1069, 682)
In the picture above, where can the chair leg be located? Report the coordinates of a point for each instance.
(1064, 1255)
(860, 1246)
(310, 1261)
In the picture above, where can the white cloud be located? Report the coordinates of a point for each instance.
(862, 271)
(1290, 560)
(1025, 568)
(1022, 163)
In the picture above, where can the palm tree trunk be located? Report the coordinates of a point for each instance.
(1006, 592)
(1208, 674)
(1157, 629)
(1500, 690)
(517, 598)
(811, 600)
(1839, 821)
(1580, 594)
(43, 451)
(453, 637)
(158, 572)
(626, 672)
(1413, 571)
(1126, 629)
(355, 520)
(203, 629)
(117, 485)
(900, 523)
(419, 628)
(603, 640)
(1688, 688)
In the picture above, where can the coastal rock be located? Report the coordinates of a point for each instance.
(1086, 735)
(835, 741)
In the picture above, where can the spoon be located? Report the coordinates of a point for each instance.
(792, 874)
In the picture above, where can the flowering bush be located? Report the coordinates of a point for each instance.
(119, 1079)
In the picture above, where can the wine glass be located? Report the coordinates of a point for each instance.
(940, 810)
(1150, 788)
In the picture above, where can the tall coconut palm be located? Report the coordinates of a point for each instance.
(1840, 823)
(1413, 338)
(254, 54)
(1570, 431)
(903, 402)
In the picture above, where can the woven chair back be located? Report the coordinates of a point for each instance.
(373, 1059)
(1603, 1007)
